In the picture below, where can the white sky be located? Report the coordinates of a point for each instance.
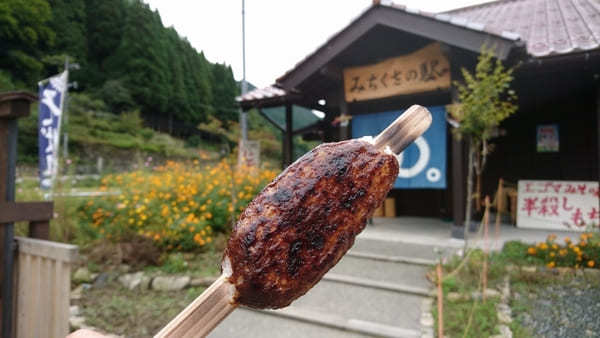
(279, 33)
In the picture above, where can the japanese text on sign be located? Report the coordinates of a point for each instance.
(424, 70)
(561, 205)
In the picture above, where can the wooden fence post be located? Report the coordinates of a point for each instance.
(13, 105)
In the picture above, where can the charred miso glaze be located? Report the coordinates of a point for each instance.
(304, 221)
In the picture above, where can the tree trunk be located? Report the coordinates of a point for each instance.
(469, 191)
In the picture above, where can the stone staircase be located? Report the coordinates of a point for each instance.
(376, 290)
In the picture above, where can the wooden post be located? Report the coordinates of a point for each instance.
(440, 300)
(13, 105)
(598, 134)
(486, 247)
(344, 126)
(39, 229)
(288, 142)
(458, 188)
(459, 179)
(499, 207)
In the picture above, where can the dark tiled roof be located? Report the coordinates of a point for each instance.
(548, 27)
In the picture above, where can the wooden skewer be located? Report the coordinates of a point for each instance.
(216, 302)
(405, 129)
(204, 313)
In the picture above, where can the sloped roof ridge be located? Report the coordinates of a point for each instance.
(477, 6)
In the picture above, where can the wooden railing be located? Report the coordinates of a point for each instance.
(43, 283)
(38, 214)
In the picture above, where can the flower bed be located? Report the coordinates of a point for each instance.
(179, 206)
(584, 253)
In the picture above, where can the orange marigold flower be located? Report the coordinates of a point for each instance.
(551, 264)
(591, 263)
(567, 240)
(531, 250)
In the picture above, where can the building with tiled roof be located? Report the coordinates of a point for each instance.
(548, 27)
(391, 56)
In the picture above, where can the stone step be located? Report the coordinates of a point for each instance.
(258, 324)
(394, 259)
(353, 301)
(382, 271)
(369, 283)
(401, 249)
(354, 325)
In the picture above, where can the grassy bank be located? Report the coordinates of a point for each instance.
(529, 273)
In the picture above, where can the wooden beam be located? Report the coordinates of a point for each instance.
(15, 104)
(332, 72)
(26, 211)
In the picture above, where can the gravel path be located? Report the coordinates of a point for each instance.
(571, 310)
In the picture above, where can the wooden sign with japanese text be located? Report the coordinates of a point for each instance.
(424, 70)
(559, 205)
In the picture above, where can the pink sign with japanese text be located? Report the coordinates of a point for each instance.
(559, 205)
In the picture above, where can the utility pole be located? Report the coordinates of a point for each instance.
(243, 117)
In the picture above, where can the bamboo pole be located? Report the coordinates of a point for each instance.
(440, 301)
(486, 221)
(499, 206)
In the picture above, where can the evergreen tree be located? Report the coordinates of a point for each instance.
(69, 25)
(225, 90)
(140, 60)
(198, 85)
(178, 98)
(128, 58)
(104, 26)
(24, 36)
